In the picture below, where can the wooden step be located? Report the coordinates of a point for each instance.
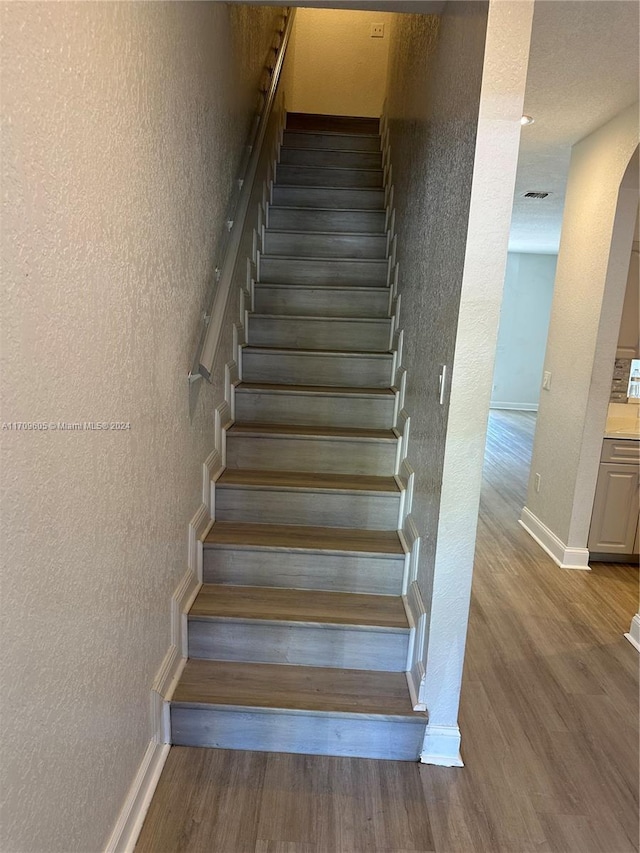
(327, 176)
(306, 448)
(303, 627)
(349, 334)
(322, 301)
(292, 497)
(278, 269)
(316, 367)
(259, 402)
(339, 157)
(344, 141)
(343, 198)
(333, 123)
(318, 244)
(321, 219)
(294, 556)
(279, 708)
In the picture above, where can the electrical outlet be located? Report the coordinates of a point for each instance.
(546, 380)
(377, 31)
(536, 482)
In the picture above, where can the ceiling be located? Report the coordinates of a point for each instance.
(583, 70)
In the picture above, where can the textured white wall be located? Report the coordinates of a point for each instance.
(454, 192)
(433, 96)
(496, 157)
(629, 335)
(122, 130)
(522, 334)
(338, 68)
(585, 318)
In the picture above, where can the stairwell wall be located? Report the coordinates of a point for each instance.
(455, 127)
(433, 96)
(124, 125)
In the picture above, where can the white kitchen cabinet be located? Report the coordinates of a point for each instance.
(614, 521)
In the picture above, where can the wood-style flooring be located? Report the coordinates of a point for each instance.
(549, 721)
(300, 605)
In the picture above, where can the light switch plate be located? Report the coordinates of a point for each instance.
(546, 380)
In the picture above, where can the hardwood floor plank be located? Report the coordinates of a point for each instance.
(300, 605)
(289, 429)
(297, 687)
(305, 480)
(300, 536)
(221, 796)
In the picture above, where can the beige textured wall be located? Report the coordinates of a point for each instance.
(433, 97)
(585, 320)
(338, 68)
(122, 130)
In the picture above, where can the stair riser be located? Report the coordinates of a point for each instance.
(318, 176)
(326, 455)
(356, 736)
(308, 219)
(322, 508)
(278, 408)
(284, 568)
(292, 368)
(321, 302)
(331, 157)
(333, 123)
(321, 271)
(342, 141)
(334, 197)
(320, 334)
(325, 245)
(300, 645)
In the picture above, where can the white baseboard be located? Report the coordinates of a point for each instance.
(415, 676)
(515, 407)
(634, 632)
(125, 834)
(442, 746)
(565, 557)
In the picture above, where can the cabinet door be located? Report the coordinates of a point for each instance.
(614, 521)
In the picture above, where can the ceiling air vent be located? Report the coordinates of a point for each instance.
(536, 194)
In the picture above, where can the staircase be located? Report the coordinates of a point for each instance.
(298, 639)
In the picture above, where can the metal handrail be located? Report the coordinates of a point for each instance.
(214, 318)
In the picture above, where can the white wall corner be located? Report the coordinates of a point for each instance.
(441, 746)
(561, 554)
(634, 632)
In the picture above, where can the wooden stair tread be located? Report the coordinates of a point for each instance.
(307, 351)
(270, 256)
(293, 536)
(300, 605)
(304, 688)
(351, 288)
(331, 168)
(313, 389)
(318, 318)
(307, 480)
(295, 430)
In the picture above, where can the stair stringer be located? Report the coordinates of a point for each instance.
(411, 595)
(213, 467)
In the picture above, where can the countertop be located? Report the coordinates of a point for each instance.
(623, 421)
